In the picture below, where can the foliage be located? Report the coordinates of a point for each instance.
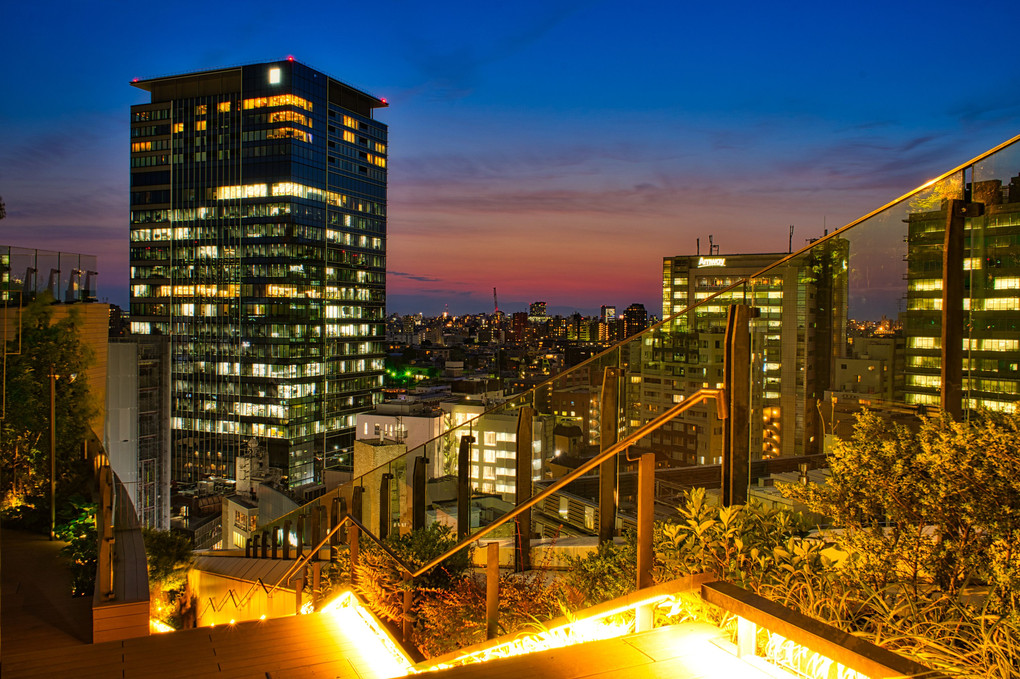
(604, 574)
(453, 617)
(169, 557)
(748, 545)
(936, 509)
(381, 581)
(46, 347)
(82, 550)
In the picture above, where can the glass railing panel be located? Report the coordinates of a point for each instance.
(833, 328)
(850, 322)
(991, 351)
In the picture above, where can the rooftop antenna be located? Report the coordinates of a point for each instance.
(711, 247)
(791, 239)
(3, 208)
(699, 246)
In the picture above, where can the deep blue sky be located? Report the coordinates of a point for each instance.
(553, 150)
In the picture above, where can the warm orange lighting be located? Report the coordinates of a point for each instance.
(377, 648)
(159, 627)
(606, 625)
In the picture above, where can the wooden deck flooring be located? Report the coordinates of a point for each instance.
(303, 646)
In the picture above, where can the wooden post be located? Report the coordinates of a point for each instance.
(464, 486)
(492, 590)
(418, 496)
(247, 548)
(286, 540)
(274, 547)
(645, 528)
(352, 549)
(609, 431)
(299, 590)
(737, 384)
(645, 519)
(316, 584)
(265, 544)
(522, 488)
(405, 619)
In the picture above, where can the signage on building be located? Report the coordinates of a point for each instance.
(711, 261)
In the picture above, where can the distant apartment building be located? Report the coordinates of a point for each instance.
(873, 366)
(991, 375)
(493, 454)
(800, 328)
(635, 319)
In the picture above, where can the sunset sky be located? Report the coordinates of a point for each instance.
(556, 151)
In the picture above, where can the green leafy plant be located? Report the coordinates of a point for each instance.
(82, 549)
(604, 574)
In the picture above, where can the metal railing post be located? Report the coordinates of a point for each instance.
(609, 432)
(357, 498)
(316, 519)
(464, 486)
(384, 505)
(334, 521)
(737, 385)
(418, 498)
(352, 550)
(953, 292)
(522, 488)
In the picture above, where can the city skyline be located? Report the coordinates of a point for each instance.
(554, 152)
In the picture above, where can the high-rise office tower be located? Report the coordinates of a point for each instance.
(798, 332)
(258, 244)
(991, 362)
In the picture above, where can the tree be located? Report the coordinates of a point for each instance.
(46, 347)
(936, 507)
(169, 557)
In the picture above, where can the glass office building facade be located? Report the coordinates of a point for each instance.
(258, 244)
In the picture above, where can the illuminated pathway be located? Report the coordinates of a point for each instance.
(685, 651)
(339, 643)
(307, 646)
